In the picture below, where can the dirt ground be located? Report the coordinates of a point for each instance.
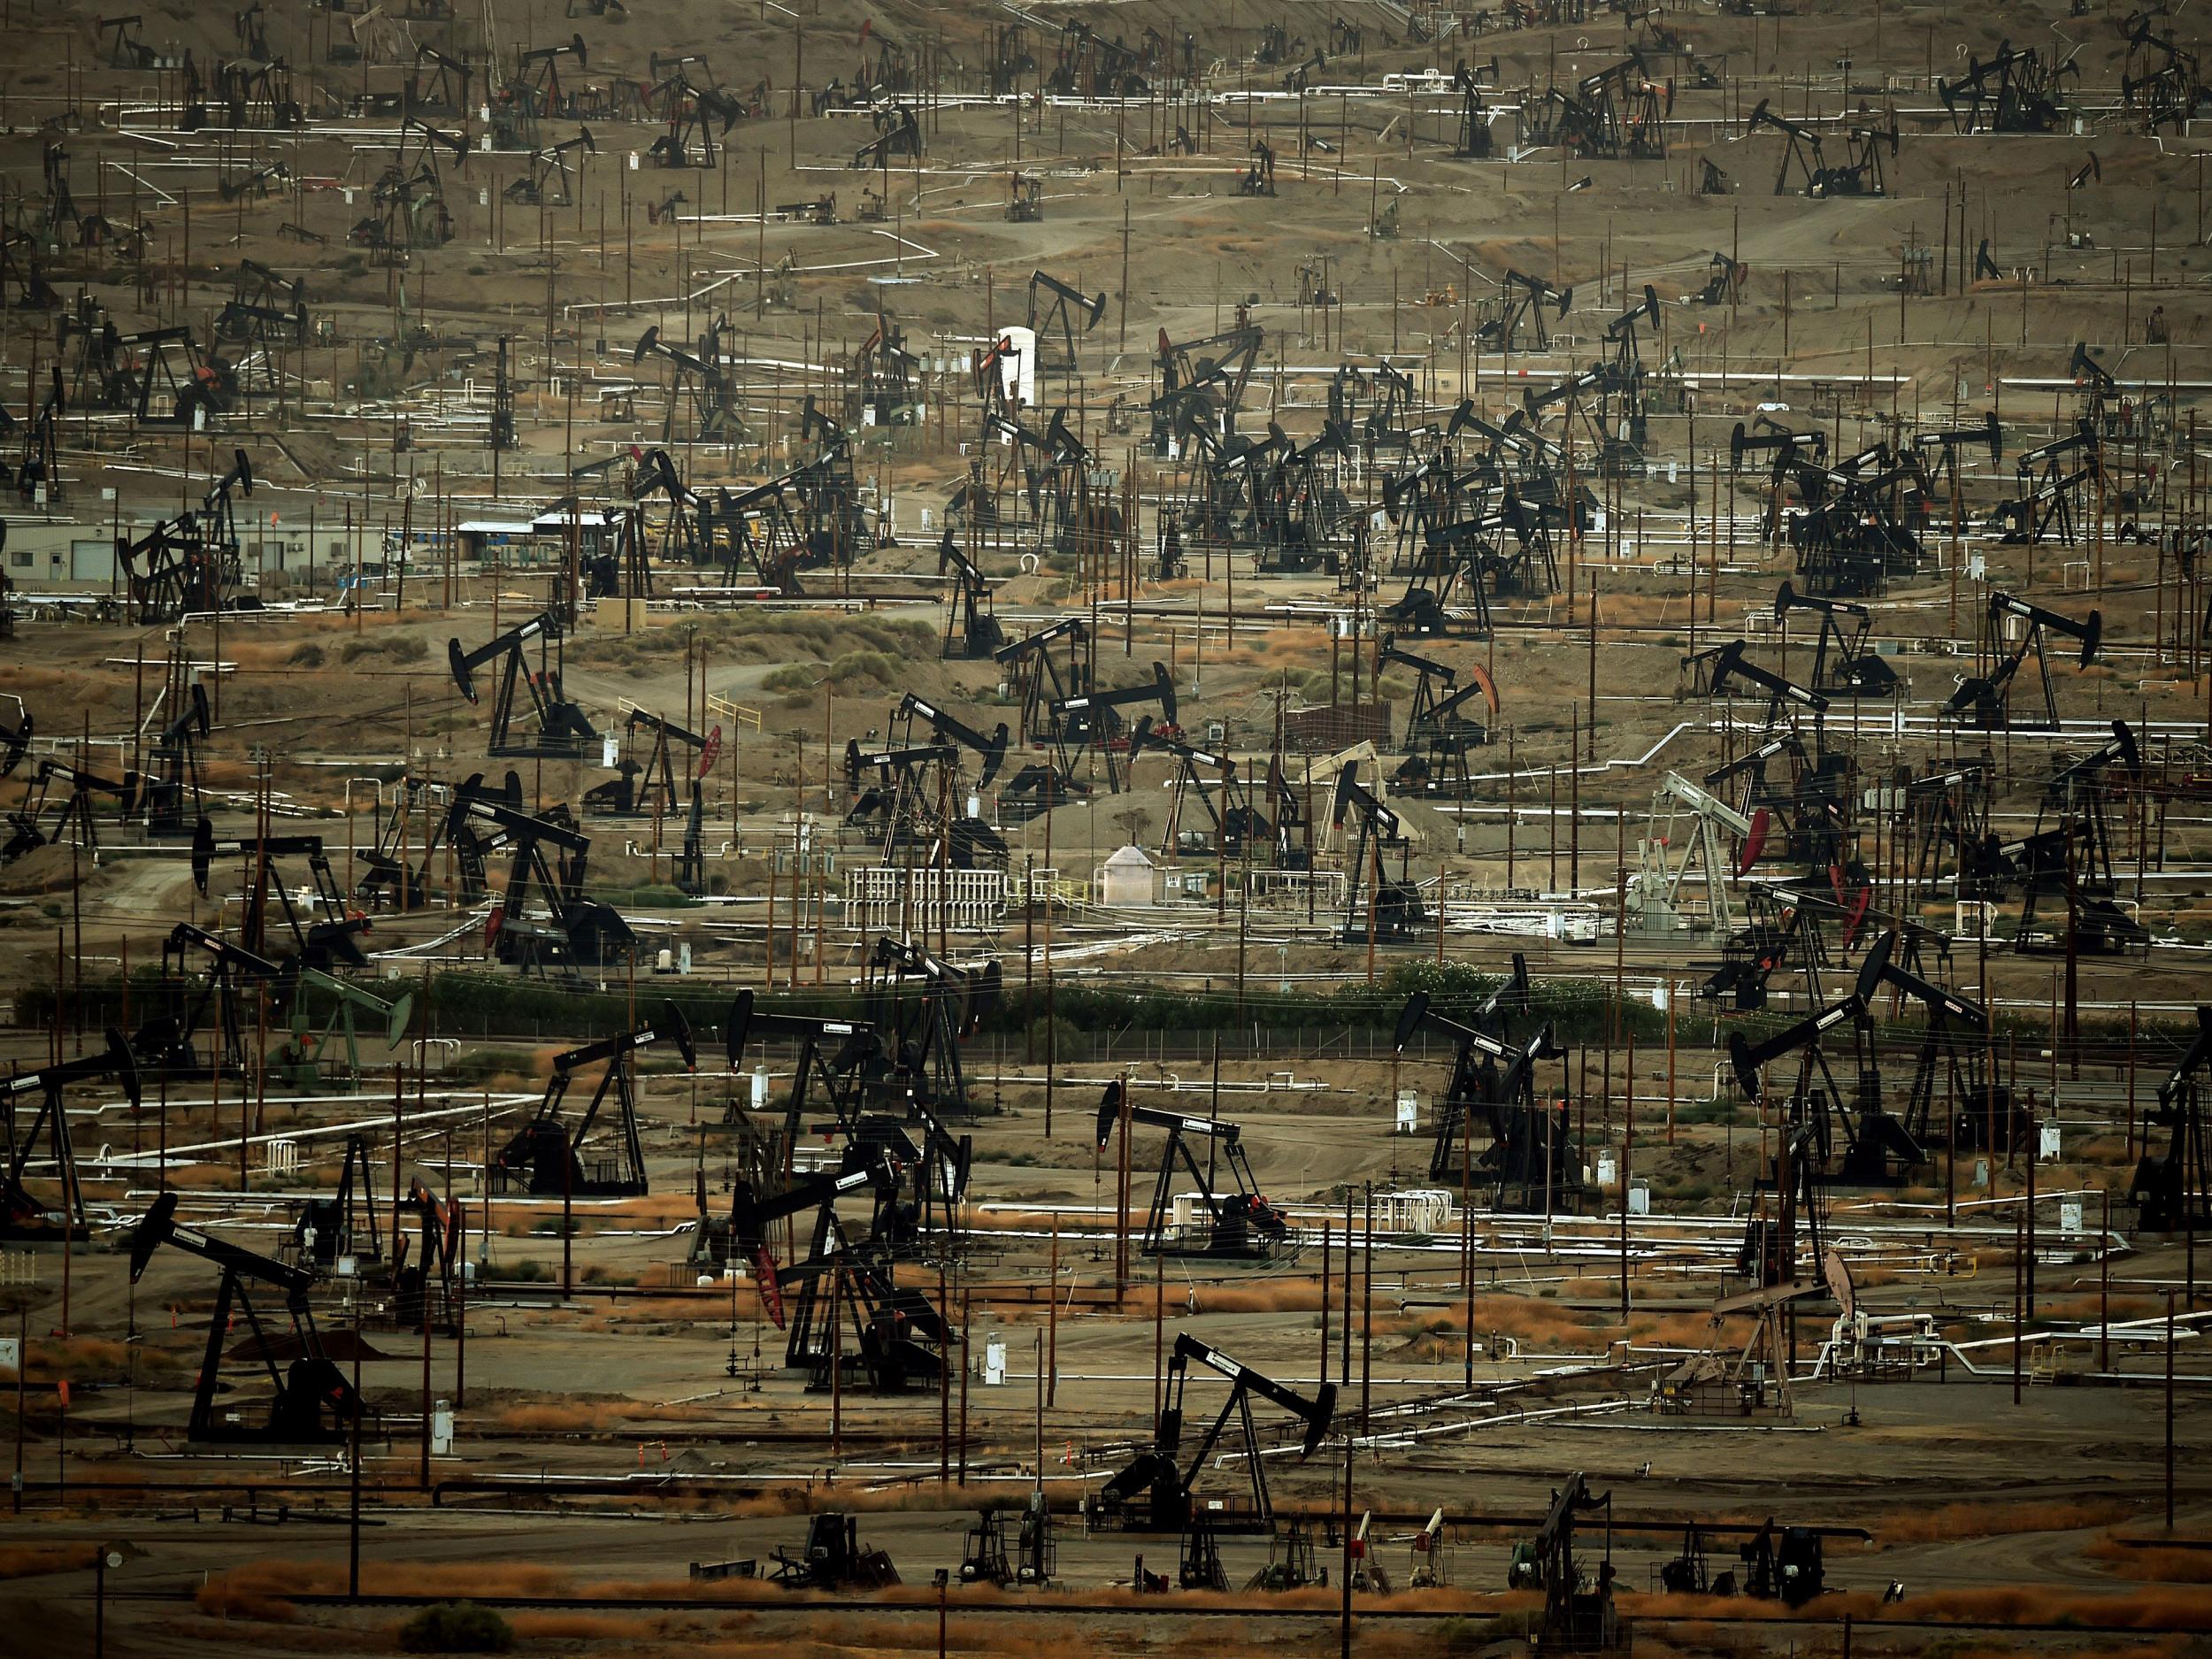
(2023, 1484)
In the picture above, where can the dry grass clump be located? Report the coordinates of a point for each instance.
(2154, 1562)
(1920, 1526)
(259, 1589)
(1532, 1321)
(79, 1358)
(26, 1561)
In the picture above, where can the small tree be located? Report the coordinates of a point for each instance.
(1136, 820)
(455, 1627)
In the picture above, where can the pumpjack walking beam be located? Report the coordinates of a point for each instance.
(2070, 856)
(1093, 719)
(1876, 1149)
(971, 630)
(174, 777)
(1397, 910)
(1983, 1105)
(1197, 772)
(167, 1042)
(327, 941)
(752, 1214)
(1729, 664)
(924, 1038)
(837, 1056)
(1029, 663)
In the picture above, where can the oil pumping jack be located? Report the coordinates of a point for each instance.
(1236, 1224)
(1153, 1493)
(1727, 664)
(660, 789)
(1531, 1163)
(1983, 702)
(168, 1042)
(902, 1338)
(389, 878)
(309, 1400)
(841, 1057)
(752, 1216)
(191, 561)
(562, 730)
(1202, 382)
(1767, 437)
(699, 382)
(1855, 1141)
(173, 778)
(2069, 854)
(47, 815)
(577, 932)
(972, 632)
(2173, 1190)
(1855, 672)
(923, 1032)
(2051, 476)
(1768, 1255)
(1199, 772)
(1860, 175)
(22, 1216)
(1939, 448)
(1439, 729)
(2014, 92)
(1029, 665)
(908, 805)
(1521, 300)
(326, 941)
(550, 183)
(304, 1059)
(2162, 82)
(1395, 910)
(423, 1289)
(1093, 719)
(1954, 1055)
(949, 728)
(1060, 305)
(1473, 141)
(1579, 1615)
(547, 1158)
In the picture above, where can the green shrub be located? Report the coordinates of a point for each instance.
(457, 1627)
(875, 667)
(797, 676)
(306, 655)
